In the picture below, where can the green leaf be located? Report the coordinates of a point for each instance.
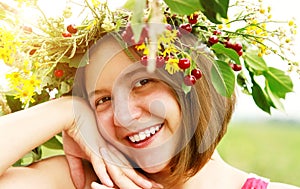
(223, 78)
(242, 82)
(255, 62)
(214, 10)
(276, 103)
(64, 88)
(129, 5)
(260, 98)
(78, 60)
(186, 89)
(230, 53)
(14, 104)
(184, 7)
(278, 82)
(53, 143)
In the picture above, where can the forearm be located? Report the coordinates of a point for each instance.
(22, 131)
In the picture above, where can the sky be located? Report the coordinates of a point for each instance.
(245, 108)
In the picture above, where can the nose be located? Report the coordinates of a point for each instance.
(127, 109)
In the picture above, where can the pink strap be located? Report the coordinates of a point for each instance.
(256, 183)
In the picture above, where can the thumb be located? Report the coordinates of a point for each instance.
(76, 171)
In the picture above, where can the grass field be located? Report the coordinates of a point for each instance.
(269, 149)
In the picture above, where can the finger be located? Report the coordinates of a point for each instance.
(117, 174)
(131, 173)
(95, 185)
(100, 170)
(76, 171)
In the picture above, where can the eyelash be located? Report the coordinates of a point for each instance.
(103, 99)
(142, 82)
(139, 84)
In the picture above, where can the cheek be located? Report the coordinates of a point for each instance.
(106, 124)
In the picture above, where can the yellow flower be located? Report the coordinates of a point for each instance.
(8, 46)
(291, 23)
(14, 78)
(33, 81)
(262, 11)
(140, 47)
(287, 40)
(172, 65)
(25, 95)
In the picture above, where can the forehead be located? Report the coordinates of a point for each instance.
(106, 62)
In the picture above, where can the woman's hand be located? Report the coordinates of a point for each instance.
(83, 141)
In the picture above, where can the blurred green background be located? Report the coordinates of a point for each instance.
(270, 149)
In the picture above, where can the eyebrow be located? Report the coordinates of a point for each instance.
(96, 92)
(99, 91)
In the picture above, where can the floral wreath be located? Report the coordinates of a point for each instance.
(44, 58)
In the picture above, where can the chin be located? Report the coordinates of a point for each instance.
(154, 169)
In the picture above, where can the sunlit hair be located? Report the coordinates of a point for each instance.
(205, 114)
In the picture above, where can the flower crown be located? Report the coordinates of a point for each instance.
(45, 57)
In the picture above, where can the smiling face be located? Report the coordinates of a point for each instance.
(136, 111)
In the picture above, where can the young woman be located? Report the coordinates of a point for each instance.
(167, 134)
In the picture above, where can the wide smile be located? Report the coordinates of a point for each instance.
(137, 139)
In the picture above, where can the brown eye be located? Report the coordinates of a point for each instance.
(142, 82)
(102, 100)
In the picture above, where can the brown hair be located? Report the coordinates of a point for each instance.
(205, 116)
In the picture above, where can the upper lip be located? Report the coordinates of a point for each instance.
(141, 130)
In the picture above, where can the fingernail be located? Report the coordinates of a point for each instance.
(147, 184)
(95, 185)
(109, 183)
(156, 185)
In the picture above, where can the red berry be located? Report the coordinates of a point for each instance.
(186, 28)
(66, 34)
(240, 53)
(197, 73)
(193, 19)
(189, 80)
(213, 39)
(144, 60)
(72, 29)
(228, 44)
(237, 46)
(160, 61)
(217, 32)
(58, 73)
(184, 63)
(169, 27)
(235, 67)
(32, 51)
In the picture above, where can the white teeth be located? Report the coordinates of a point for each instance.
(152, 130)
(147, 132)
(144, 134)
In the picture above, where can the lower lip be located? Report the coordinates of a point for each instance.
(145, 142)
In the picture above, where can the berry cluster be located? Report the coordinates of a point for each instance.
(237, 46)
(191, 74)
(71, 29)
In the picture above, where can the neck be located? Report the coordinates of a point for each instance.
(215, 174)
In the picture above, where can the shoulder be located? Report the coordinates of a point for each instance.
(276, 185)
(46, 174)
